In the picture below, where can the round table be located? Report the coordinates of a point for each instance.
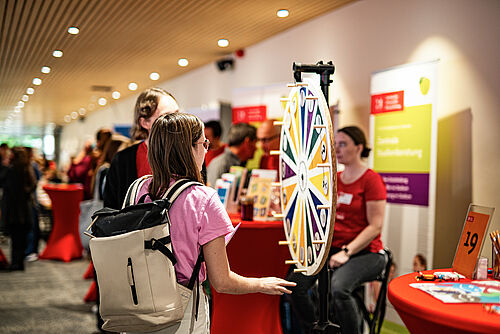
(64, 241)
(423, 313)
(253, 252)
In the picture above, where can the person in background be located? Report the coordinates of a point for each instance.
(355, 251)
(199, 220)
(419, 262)
(112, 146)
(34, 233)
(4, 166)
(242, 146)
(269, 136)
(213, 132)
(80, 168)
(20, 182)
(4, 155)
(132, 162)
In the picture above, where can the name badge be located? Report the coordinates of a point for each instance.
(344, 198)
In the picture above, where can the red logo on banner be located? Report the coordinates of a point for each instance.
(249, 114)
(387, 102)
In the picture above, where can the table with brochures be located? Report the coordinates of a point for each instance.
(422, 313)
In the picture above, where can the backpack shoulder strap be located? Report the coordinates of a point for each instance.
(176, 189)
(133, 190)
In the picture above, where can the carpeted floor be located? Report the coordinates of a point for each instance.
(47, 297)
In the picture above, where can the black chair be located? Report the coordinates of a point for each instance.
(375, 319)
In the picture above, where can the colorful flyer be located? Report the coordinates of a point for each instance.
(485, 292)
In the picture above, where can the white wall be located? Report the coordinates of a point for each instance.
(361, 38)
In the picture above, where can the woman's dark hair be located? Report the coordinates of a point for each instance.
(216, 128)
(145, 107)
(21, 164)
(238, 133)
(358, 136)
(111, 147)
(423, 261)
(170, 150)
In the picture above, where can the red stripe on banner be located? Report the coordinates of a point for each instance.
(249, 114)
(387, 102)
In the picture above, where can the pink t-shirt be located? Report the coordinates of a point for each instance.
(197, 217)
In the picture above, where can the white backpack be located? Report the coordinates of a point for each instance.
(132, 255)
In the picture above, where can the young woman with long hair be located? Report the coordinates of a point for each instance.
(177, 148)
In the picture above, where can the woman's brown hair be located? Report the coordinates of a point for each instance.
(22, 166)
(170, 151)
(145, 107)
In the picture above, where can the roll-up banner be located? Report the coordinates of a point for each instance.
(403, 128)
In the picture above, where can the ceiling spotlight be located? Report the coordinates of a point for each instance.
(37, 81)
(57, 53)
(17, 109)
(25, 98)
(20, 104)
(183, 62)
(91, 106)
(30, 91)
(116, 95)
(82, 111)
(67, 118)
(73, 30)
(154, 76)
(102, 101)
(223, 42)
(74, 115)
(282, 13)
(132, 86)
(46, 69)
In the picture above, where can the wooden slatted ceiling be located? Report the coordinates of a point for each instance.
(122, 41)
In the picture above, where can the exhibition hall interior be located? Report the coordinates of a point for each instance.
(255, 167)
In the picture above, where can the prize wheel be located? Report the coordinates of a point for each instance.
(308, 177)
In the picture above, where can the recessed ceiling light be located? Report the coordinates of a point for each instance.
(82, 111)
(20, 104)
(74, 115)
(116, 95)
(132, 86)
(45, 70)
(37, 81)
(183, 62)
(30, 90)
(25, 98)
(57, 53)
(91, 106)
(282, 13)
(67, 118)
(154, 76)
(223, 42)
(73, 30)
(17, 109)
(102, 101)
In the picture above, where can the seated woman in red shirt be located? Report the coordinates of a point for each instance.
(356, 242)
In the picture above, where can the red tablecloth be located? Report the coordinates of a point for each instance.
(253, 252)
(64, 241)
(423, 313)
